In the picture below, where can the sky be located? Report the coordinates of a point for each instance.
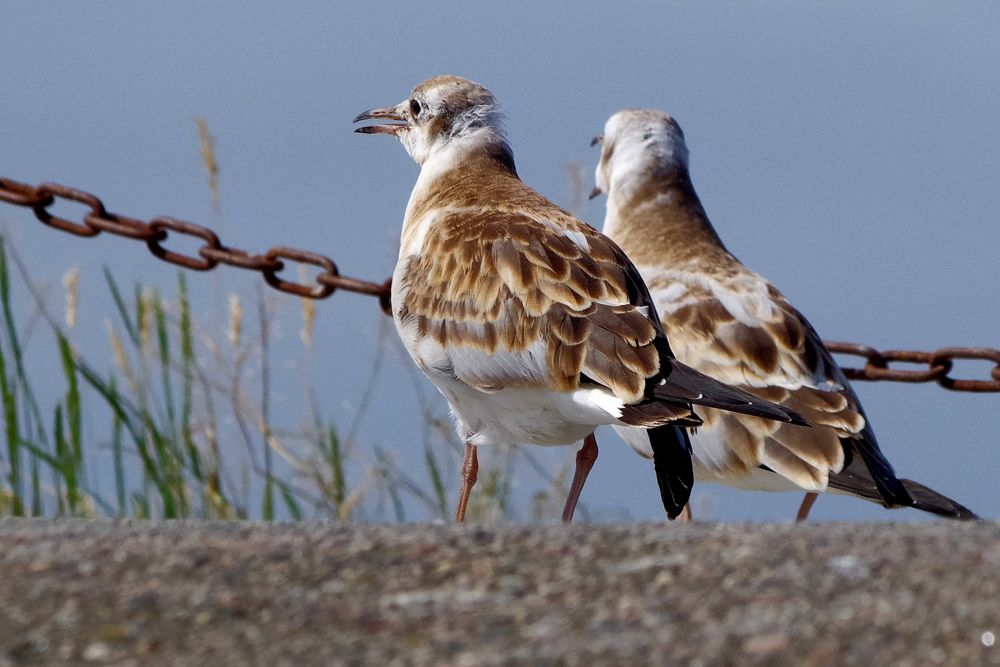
(847, 151)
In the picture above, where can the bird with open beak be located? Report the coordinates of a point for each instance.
(534, 326)
(731, 323)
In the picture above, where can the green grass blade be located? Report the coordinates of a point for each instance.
(335, 459)
(37, 508)
(48, 458)
(140, 505)
(66, 463)
(72, 459)
(187, 379)
(140, 319)
(167, 480)
(141, 436)
(267, 508)
(187, 347)
(10, 326)
(118, 460)
(265, 410)
(114, 400)
(73, 415)
(172, 449)
(397, 501)
(116, 295)
(11, 433)
(290, 502)
(163, 345)
(435, 473)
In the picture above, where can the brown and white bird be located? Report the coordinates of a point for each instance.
(732, 324)
(534, 326)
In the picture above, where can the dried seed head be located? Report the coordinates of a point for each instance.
(235, 319)
(116, 346)
(206, 146)
(71, 281)
(308, 314)
(121, 358)
(147, 297)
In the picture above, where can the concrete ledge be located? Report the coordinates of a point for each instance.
(187, 593)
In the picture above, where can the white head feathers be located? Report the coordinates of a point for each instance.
(443, 114)
(639, 142)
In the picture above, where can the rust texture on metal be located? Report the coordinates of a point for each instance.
(156, 232)
(210, 254)
(938, 365)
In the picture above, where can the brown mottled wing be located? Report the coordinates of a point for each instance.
(520, 302)
(744, 332)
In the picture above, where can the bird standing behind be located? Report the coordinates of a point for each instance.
(534, 326)
(732, 324)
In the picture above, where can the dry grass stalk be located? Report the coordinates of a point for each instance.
(206, 147)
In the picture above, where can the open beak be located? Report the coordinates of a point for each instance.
(389, 113)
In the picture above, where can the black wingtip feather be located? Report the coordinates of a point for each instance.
(890, 487)
(797, 419)
(870, 476)
(672, 463)
(931, 501)
(685, 383)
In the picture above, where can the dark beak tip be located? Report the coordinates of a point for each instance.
(593, 193)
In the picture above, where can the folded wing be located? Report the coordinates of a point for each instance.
(739, 329)
(520, 301)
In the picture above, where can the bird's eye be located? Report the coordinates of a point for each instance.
(415, 107)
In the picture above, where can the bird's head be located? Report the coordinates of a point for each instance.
(441, 114)
(637, 144)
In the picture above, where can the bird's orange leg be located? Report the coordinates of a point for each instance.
(470, 472)
(806, 505)
(584, 462)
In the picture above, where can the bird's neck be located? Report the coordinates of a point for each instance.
(453, 179)
(660, 220)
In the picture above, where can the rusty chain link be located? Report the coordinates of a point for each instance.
(938, 363)
(269, 264)
(212, 252)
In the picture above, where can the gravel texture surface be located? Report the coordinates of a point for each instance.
(189, 593)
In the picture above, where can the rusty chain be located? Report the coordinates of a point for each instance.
(212, 252)
(939, 364)
(270, 265)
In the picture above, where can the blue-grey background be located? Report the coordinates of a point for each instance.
(848, 151)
